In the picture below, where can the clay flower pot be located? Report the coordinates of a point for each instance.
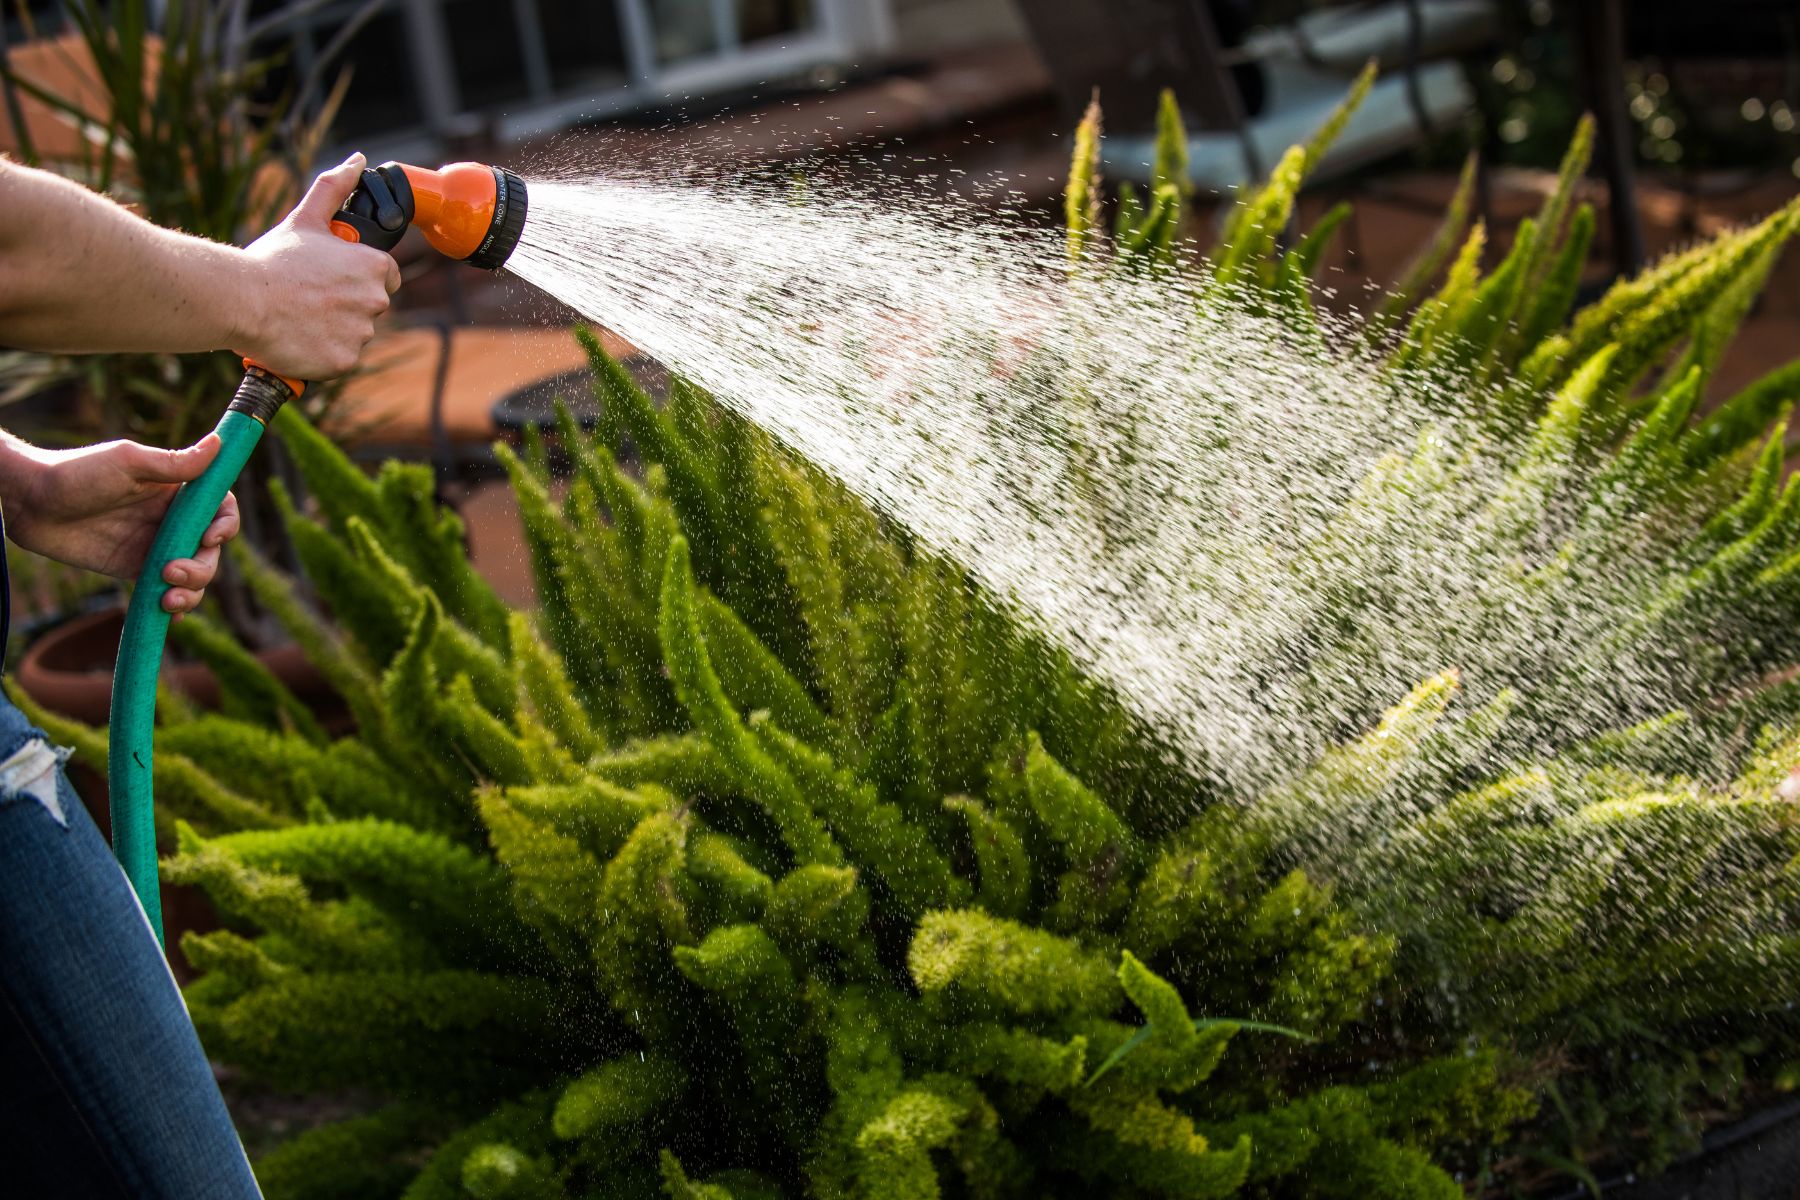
(69, 669)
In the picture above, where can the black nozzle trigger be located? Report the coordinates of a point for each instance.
(376, 212)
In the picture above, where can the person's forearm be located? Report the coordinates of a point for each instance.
(79, 273)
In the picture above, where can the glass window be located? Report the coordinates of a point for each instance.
(577, 48)
(384, 92)
(683, 29)
(759, 19)
(584, 43)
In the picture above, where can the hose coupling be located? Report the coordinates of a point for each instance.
(260, 395)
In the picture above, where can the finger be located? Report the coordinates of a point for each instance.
(195, 572)
(328, 193)
(393, 276)
(151, 465)
(181, 600)
(224, 527)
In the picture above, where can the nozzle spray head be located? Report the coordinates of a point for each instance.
(467, 211)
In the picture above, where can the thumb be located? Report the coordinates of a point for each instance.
(328, 193)
(174, 466)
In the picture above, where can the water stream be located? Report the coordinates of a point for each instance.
(1159, 483)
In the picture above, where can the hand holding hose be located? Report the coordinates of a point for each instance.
(467, 211)
(301, 302)
(99, 507)
(310, 309)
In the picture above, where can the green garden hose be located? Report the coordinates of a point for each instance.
(130, 747)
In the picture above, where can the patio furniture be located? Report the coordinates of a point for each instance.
(1130, 51)
(534, 405)
(1608, 30)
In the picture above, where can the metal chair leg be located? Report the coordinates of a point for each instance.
(1602, 32)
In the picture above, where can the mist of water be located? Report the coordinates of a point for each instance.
(1168, 488)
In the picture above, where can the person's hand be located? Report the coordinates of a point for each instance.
(100, 507)
(313, 297)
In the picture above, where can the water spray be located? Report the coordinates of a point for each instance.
(467, 211)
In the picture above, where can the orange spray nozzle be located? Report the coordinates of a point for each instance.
(467, 211)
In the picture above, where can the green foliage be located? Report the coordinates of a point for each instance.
(1081, 199)
(358, 1159)
(784, 864)
(1145, 234)
(248, 690)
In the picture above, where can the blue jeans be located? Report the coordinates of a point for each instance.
(104, 1090)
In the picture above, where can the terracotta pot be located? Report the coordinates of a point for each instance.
(69, 670)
